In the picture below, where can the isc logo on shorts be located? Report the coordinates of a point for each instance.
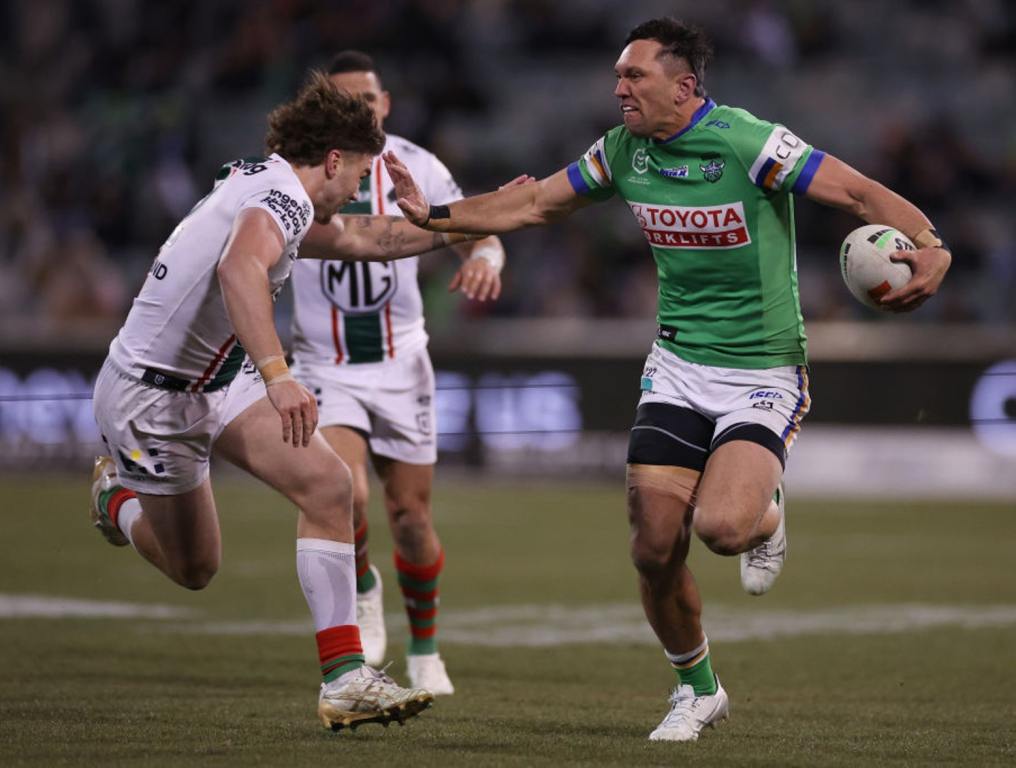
(674, 226)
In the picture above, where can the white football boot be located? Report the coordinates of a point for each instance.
(370, 616)
(104, 478)
(428, 671)
(689, 714)
(761, 565)
(366, 695)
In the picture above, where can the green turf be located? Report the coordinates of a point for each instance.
(89, 692)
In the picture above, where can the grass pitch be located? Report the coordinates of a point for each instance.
(890, 639)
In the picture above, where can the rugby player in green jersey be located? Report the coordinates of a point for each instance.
(725, 386)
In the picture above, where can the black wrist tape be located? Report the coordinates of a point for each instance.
(439, 212)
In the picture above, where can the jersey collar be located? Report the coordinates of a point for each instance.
(701, 112)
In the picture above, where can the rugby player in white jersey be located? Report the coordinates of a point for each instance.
(163, 399)
(359, 344)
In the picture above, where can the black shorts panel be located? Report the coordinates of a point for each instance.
(754, 433)
(670, 435)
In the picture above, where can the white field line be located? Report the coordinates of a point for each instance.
(50, 607)
(551, 625)
(535, 626)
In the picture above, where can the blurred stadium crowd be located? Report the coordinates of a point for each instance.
(117, 113)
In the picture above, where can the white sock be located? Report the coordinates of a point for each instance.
(327, 572)
(684, 658)
(129, 513)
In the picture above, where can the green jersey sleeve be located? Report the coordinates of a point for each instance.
(774, 158)
(591, 175)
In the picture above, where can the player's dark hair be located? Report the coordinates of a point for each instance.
(681, 40)
(321, 118)
(351, 61)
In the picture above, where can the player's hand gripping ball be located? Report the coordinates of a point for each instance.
(865, 264)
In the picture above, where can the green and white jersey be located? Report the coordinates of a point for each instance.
(348, 312)
(713, 201)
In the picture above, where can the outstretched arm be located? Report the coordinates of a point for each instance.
(479, 277)
(838, 185)
(508, 209)
(373, 238)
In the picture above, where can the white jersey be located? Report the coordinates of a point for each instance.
(178, 323)
(351, 312)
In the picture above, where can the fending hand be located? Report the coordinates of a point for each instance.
(518, 181)
(408, 196)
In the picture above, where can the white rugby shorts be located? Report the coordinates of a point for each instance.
(160, 439)
(246, 389)
(392, 403)
(764, 405)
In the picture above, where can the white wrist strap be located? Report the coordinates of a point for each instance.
(491, 253)
(279, 379)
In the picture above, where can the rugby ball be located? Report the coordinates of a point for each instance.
(865, 264)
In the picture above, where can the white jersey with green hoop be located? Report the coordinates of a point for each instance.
(350, 313)
(714, 203)
(178, 323)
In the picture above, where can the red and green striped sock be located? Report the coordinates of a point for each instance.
(339, 650)
(420, 595)
(113, 499)
(365, 580)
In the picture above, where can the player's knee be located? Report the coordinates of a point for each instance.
(341, 481)
(409, 510)
(328, 487)
(652, 551)
(361, 496)
(720, 535)
(197, 574)
(650, 558)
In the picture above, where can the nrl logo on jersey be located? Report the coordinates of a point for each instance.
(640, 161)
(712, 169)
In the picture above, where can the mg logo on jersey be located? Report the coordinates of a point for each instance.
(715, 226)
(359, 287)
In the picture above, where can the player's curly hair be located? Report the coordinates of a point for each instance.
(681, 40)
(321, 118)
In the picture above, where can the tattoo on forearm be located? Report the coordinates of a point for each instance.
(390, 242)
(388, 236)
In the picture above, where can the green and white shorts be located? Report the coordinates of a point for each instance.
(688, 410)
